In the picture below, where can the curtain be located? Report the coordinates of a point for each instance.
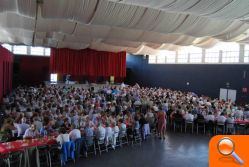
(6, 66)
(88, 62)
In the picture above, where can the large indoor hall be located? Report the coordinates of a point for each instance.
(124, 83)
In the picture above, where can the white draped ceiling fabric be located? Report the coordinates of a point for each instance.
(135, 26)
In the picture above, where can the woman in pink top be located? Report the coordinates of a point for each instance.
(161, 116)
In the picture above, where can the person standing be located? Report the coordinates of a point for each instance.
(161, 124)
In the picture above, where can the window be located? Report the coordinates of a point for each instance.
(195, 54)
(246, 54)
(230, 57)
(37, 51)
(47, 52)
(183, 55)
(20, 49)
(230, 52)
(152, 59)
(195, 57)
(170, 56)
(161, 59)
(28, 50)
(182, 58)
(213, 54)
(7, 46)
(212, 57)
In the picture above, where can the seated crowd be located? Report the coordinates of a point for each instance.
(74, 112)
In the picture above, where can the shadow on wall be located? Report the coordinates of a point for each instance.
(30, 70)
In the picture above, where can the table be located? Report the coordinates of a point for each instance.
(24, 145)
(244, 122)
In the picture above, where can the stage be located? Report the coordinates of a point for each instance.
(85, 86)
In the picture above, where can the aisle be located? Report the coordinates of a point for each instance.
(177, 150)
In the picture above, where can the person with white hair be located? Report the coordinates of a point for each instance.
(108, 134)
(189, 116)
(101, 132)
(115, 130)
(74, 133)
(31, 132)
(38, 123)
(209, 117)
(21, 128)
(238, 113)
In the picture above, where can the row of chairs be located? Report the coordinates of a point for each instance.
(101, 145)
(212, 127)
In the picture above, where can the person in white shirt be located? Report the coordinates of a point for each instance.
(238, 114)
(21, 128)
(122, 127)
(246, 114)
(230, 119)
(115, 130)
(221, 119)
(100, 132)
(122, 85)
(137, 103)
(209, 117)
(31, 132)
(230, 124)
(108, 134)
(74, 134)
(63, 136)
(38, 124)
(188, 116)
(88, 131)
(149, 116)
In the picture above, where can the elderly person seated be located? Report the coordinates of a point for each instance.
(209, 117)
(189, 117)
(37, 123)
(115, 130)
(31, 132)
(221, 119)
(246, 114)
(230, 124)
(238, 114)
(21, 128)
(89, 134)
(108, 134)
(6, 130)
(63, 136)
(100, 132)
(229, 119)
(74, 133)
(122, 127)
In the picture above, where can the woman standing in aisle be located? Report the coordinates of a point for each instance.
(161, 115)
